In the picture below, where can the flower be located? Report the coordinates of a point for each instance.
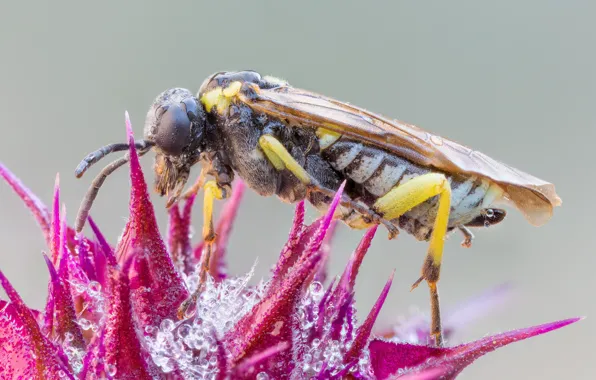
(111, 312)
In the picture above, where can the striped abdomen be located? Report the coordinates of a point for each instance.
(375, 172)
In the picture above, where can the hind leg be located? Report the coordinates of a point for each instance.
(405, 197)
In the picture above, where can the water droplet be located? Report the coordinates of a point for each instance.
(84, 323)
(489, 212)
(112, 370)
(183, 331)
(167, 325)
(150, 330)
(262, 376)
(316, 289)
(94, 288)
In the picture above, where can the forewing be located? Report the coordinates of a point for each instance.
(534, 197)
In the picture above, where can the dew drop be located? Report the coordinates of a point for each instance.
(490, 212)
(316, 289)
(167, 325)
(112, 370)
(94, 288)
(262, 376)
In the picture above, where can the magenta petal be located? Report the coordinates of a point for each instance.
(124, 357)
(321, 274)
(254, 364)
(363, 332)
(107, 251)
(346, 283)
(86, 258)
(93, 363)
(65, 315)
(179, 236)
(270, 321)
(37, 208)
(164, 288)
(55, 231)
(287, 256)
(24, 351)
(388, 358)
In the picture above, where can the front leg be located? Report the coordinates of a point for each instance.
(213, 191)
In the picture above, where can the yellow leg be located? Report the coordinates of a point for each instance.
(281, 159)
(212, 192)
(405, 197)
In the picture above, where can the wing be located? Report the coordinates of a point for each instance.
(534, 197)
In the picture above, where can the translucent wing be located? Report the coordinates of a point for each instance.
(534, 197)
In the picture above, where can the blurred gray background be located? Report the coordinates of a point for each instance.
(516, 80)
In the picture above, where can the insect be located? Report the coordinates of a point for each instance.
(299, 145)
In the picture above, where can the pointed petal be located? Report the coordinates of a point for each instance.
(85, 258)
(141, 239)
(415, 329)
(93, 362)
(388, 358)
(124, 356)
(270, 321)
(345, 286)
(348, 278)
(321, 274)
(105, 247)
(64, 311)
(179, 236)
(56, 226)
(255, 364)
(37, 208)
(24, 351)
(287, 256)
(363, 332)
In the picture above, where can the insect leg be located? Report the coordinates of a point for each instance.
(213, 191)
(281, 159)
(405, 197)
(468, 236)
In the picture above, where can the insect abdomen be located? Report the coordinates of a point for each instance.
(377, 172)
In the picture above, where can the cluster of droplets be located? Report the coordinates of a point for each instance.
(315, 350)
(191, 346)
(93, 308)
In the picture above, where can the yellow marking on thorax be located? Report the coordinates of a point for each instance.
(326, 137)
(220, 98)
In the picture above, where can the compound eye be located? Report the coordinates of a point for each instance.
(173, 129)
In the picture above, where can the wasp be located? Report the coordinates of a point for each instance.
(297, 145)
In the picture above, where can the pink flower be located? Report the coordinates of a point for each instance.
(112, 312)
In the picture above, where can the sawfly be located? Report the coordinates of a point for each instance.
(297, 145)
